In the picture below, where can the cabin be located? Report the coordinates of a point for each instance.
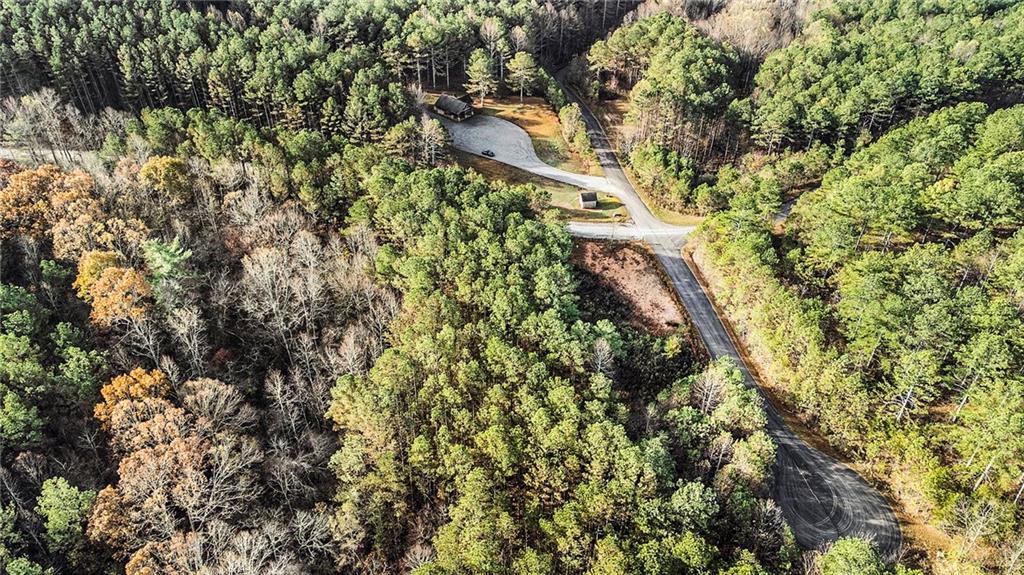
(457, 109)
(588, 200)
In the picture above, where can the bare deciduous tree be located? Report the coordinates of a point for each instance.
(708, 391)
(220, 404)
(189, 331)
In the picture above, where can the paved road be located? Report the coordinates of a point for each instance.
(821, 498)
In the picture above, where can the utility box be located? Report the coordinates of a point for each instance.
(588, 200)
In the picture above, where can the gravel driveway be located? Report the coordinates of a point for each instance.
(512, 145)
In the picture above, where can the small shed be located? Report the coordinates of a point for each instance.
(454, 108)
(588, 200)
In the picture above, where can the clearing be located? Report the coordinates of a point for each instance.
(628, 272)
(536, 117)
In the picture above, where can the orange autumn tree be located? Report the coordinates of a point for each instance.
(63, 205)
(75, 214)
(136, 385)
(119, 294)
(23, 202)
(174, 481)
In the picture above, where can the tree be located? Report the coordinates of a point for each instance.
(991, 439)
(480, 75)
(851, 555)
(422, 141)
(23, 566)
(434, 142)
(136, 385)
(119, 294)
(20, 424)
(64, 509)
(374, 104)
(173, 479)
(23, 202)
(522, 72)
(402, 140)
(76, 216)
(166, 262)
(332, 117)
(169, 176)
(80, 367)
(91, 266)
(855, 69)
(164, 129)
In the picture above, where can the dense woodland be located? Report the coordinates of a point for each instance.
(855, 70)
(258, 321)
(897, 282)
(886, 306)
(253, 393)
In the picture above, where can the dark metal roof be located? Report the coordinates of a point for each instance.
(588, 196)
(451, 105)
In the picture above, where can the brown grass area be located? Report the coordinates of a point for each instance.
(629, 272)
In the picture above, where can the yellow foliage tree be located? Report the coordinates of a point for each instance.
(138, 384)
(90, 266)
(168, 175)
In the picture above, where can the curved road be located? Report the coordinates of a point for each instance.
(821, 498)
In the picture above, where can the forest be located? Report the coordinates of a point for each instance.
(255, 317)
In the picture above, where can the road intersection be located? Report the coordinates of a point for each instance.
(822, 499)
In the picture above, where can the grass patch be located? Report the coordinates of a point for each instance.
(668, 216)
(564, 198)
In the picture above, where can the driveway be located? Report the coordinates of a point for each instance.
(822, 499)
(512, 145)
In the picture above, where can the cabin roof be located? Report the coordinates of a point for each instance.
(451, 105)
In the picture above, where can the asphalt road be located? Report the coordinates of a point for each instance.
(822, 499)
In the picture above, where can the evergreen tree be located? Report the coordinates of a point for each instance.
(522, 72)
(480, 77)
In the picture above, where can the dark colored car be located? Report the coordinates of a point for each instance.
(488, 153)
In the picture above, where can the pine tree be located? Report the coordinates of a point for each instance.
(331, 117)
(522, 72)
(480, 75)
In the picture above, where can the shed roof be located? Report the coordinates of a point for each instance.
(451, 105)
(588, 196)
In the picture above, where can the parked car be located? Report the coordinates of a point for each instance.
(488, 153)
